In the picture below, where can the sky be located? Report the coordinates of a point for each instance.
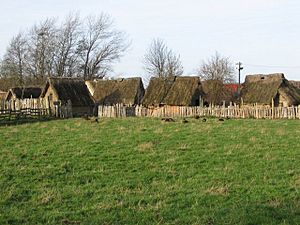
(262, 34)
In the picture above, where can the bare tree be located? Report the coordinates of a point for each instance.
(67, 38)
(41, 50)
(100, 46)
(217, 68)
(13, 64)
(86, 48)
(174, 66)
(160, 61)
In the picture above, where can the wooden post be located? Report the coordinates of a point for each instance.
(256, 111)
(69, 113)
(272, 108)
(49, 106)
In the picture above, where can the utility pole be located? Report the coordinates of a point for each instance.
(239, 68)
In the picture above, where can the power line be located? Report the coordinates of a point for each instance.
(269, 66)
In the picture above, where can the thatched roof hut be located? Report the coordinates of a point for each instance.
(23, 93)
(62, 90)
(157, 90)
(261, 89)
(181, 91)
(216, 92)
(73, 89)
(129, 91)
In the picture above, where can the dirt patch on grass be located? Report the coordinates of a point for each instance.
(47, 196)
(68, 128)
(78, 123)
(145, 147)
(159, 130)
(274, 203)
(280, 132)
(183, 146)
(253, 139)
(218, 190)
(297, 182)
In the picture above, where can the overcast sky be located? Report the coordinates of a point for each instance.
(263, 34)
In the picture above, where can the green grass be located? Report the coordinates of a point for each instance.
(144, 171)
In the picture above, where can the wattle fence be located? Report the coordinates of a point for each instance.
(255, 112)
(39, 108)
(18, 109)
(18, 104)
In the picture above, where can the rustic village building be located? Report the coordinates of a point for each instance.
(23, 93)
(174, 91)
(129, 91)
(263, 89)
(63, 91)
(2, 95)
(218, 93)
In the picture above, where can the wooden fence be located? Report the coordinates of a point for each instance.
(35, 108)
(9, 114)
(19, 104)
(255, 112)
(62, 110)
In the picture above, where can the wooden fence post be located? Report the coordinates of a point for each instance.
(272, 108)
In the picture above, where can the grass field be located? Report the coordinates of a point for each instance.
(145, 171)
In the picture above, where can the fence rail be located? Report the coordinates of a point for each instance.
(9, 114)
(256, 112)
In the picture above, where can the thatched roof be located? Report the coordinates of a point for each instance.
(181, 91)
(290, 93)
(157, 90)
(207, 84)
(296, 83)
(216, 91)
(26, 92)
(91, 85)
(262, 89)
(261, 77)
(184, 91)
(127, 91)
(73, 89)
